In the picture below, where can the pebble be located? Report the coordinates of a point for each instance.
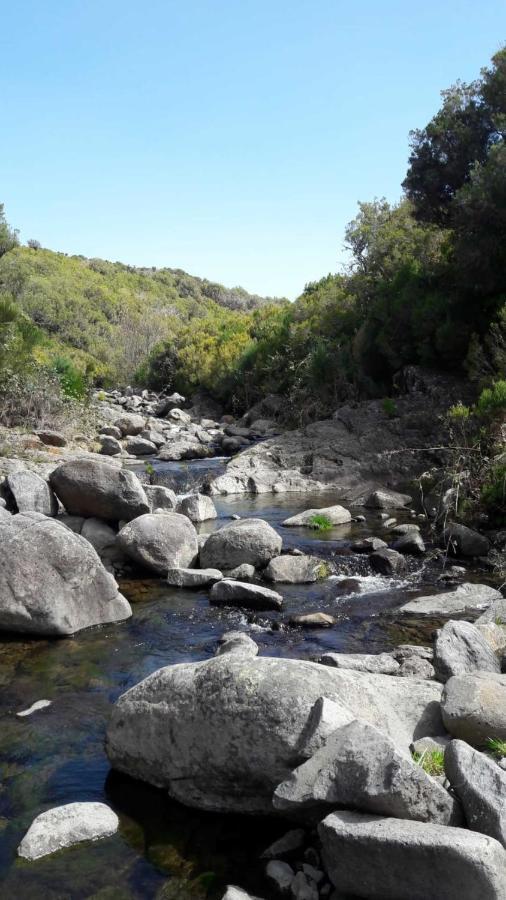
(39, 704)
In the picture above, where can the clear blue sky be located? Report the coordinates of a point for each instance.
(230, 138)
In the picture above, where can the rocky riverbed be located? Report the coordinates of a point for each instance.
(191, 675)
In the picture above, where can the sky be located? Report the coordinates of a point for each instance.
(229, 138)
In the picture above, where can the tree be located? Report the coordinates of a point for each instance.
(8, 235)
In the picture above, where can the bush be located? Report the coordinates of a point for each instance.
(493, 494)
(492, 400)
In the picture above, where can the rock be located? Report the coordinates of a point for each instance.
(138, 446)
(496, 613)
(160, 497)
(237, 642)
(160, 543)
(381, 663)
(241, 719)
(111, 431)
(494, 635)
(411, 543)
(31, 493)
(130, 425)
(52, 438)
(461, 649)
(385, 499)
(4, 513)
(248, 596)
(480, 785)
(99, 490)
(387, 562)
(389, 523)
(198, 507)
(467, 599)
(409, 528)
(359, 767)
(74, 523)
(250, 541)
(236, 893)
(463, 541)
(193, 578)
(337, 515)
(183, 446)
(296, 569)
(368, 545)
(406, 651)
(179, 416)
(399, 859)
(167, 403)
(109, 446)
(474, 707)
(291, 841)
(325, 717)
(414, 667)
(303, 887)
(66, 825)
(39, 704)
(241, 573)
(430, 744)
(281, 874)
(313, 620)
(154, 437)
(52, 581)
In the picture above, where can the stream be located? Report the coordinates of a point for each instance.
(56, 755)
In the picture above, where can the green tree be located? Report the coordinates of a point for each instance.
(8, 235)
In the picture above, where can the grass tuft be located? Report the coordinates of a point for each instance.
(320, 522)
(497, 747)
(431, 761)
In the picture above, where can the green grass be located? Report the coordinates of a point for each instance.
(497, 747)
(320, 522)
(431, 761)
(390, 407)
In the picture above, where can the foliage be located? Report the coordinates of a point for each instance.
(497, 747)
(320, 522)
(431, 761)
(8, 235)
(390, 407)
(493, 493)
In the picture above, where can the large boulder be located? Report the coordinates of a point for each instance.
(387, 562)
(160, 542)
(467, 599)
(303, 569)
(335, 515)
(377, 663)
(474, 707)
(250, 596)
(460, 648)
(139, 446)
(463, 541)
(66, 825)
(395, 859)
(160, 497)
(360, 768)
(198, 507)
(30, 493)
(109, 445)
(51, 580)
(480, 785)
(183, 446)
(193, 578)
(90, 488)
(130, 424)
(385, 499)
(223, 733)
(251, 541)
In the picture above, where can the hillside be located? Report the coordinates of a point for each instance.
(107, 316)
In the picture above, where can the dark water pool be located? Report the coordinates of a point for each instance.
(56, 756)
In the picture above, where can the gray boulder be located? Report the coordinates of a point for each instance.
(313, 620)
(496, 613)
(325, 717)
(296, 569)
(193, 578)
(111, 431)
(236, 893)
(368, 545)
(66, 825)
(160, 543)
(480, 785)
(139, 446)
(251, 541)
(466, 600)
(248, 596)
(160, 497)
(460, 649)
(411, 543)
(463, 541)
(31, 493)
(380, 663)
(245, 572)
(52, 438)
(360, 768)
(386, 499)
(337, 515)
(100, 535)
(395, 859)
(130, 424)
(474, 707)
(154, 437)
(51, 580)
(387, 562)
(198, 507)
(223, 733)
(109, 446)
(183, 446)
(89, 488)
(415, 667)
(237, 642)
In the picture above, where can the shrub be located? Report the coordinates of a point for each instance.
(493, 494)
(390, 407)
(492, 400)
(320, 522)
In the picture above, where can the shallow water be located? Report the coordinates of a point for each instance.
(56, 755)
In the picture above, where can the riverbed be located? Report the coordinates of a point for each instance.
(162, 850)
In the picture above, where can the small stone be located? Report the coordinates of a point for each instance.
(303, 888)
(193, 578)
(292, 840)
(66, 825)
(39, 704)
(368, 545)
(313, 620)
(281, 874)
